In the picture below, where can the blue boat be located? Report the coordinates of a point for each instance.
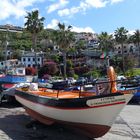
(135, 84)
(13, 79)
(136, 97)
(16, 75)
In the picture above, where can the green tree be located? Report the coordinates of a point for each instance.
(80, 45)
(105, 41)
(34, 25)
(136, 40)
(17, 54)
(1, 54)
(46, 39)
(121, 38)
(2, 38)
(130, 62)
(63, 38)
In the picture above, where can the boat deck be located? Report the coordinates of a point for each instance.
(61, 94)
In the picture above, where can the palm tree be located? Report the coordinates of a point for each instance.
(121, 37)
(63, 38)
(106, 42)
(136, 40)
(34, 25)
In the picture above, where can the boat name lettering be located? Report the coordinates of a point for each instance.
(107, 98)
(104, 101)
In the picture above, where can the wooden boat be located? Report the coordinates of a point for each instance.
(131, 84)
(90, 113)
(9, 80)
(8, 90)
(15, 75)
(136, 97)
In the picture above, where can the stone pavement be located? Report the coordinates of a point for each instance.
(15, 124)
(126, 126)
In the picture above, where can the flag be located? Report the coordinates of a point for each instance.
(103, 55)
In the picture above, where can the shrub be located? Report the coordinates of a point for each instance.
(81, 70)
(49, 68)
(93, 73)
(75, 76)
(30, 71)
(133, 72)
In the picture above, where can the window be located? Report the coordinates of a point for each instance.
(1, 63)
(20, 71)
(23, 59)
(29, 59)
(131, 50)
(38, 59)
(33, 59)
(38, 65)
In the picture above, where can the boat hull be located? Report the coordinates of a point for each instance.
(93, 115)
(136, 97)
(90, 130)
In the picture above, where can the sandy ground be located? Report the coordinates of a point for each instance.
(15, 124)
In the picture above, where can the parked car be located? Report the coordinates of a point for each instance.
(71, 80)
(81, 80)
(121, 77)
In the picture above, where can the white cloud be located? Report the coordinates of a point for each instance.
(15, 8)
(96, 3)
(56, 6)
(68, 12)
(84, 5)
(131, 32)
(116, 1)
(80, 29)
(53, 24)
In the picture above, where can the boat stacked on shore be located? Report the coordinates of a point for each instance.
(91, 113)
(10, 79)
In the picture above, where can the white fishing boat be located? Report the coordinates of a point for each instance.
(92, 114)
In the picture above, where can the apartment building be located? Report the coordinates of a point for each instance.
(28, 59)
(130, 48)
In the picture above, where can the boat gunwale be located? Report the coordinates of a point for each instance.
(86, 97)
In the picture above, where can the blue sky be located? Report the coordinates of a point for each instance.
(84, 15)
